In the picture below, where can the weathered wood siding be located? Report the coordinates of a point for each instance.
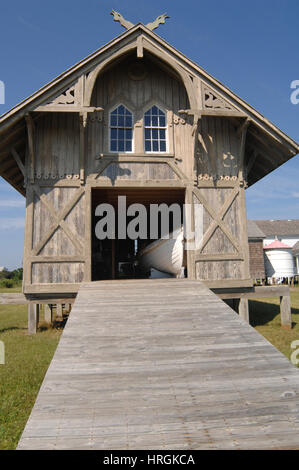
(158, 87)
(57, 146)
(219, 153)
(55, 224)
(70, 156)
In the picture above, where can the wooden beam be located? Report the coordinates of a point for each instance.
(251, 162)
(83, 124)
(139, 47)
(253, 292)
(30, 131)
(21, 299)
(64, 108)
(18, 161)
(213, 112)
(243, 130)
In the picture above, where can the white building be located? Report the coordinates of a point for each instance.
(281, 247)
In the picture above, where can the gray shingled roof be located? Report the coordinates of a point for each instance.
(253, 230)
(295, 249)
(278, 227)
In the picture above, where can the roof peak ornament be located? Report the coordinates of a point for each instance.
(128, 25)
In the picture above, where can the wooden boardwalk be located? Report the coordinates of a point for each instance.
(163, 364)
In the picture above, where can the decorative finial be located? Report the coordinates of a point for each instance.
(159, 20)
(128, 25)
(118, 17)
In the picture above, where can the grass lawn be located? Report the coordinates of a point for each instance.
(265, 318)
(28, 357)
(26, 361)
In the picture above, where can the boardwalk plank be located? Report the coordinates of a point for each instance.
(163, 364)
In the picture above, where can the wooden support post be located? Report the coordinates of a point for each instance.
(33, 318)
(285, 312)
(244, 309)
(48, 313)
(83, 123)
(59, 314)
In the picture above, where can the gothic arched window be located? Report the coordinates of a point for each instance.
(155, 128)
(121, 129)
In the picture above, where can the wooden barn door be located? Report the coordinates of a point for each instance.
(55, 252)
(222, 256)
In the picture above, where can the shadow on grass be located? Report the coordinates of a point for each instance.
(262, 313)
(11, 328)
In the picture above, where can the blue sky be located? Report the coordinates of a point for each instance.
(252, 47)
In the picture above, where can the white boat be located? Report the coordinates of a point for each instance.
(165, 254)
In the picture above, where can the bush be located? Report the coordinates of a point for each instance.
(8, 283)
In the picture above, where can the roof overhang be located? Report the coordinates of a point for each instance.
(267, 147)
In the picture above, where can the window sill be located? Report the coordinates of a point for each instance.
(135, 155)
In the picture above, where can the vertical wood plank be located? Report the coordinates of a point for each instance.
(285, 312)
(33, 318)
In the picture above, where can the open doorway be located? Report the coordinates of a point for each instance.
(120, 257)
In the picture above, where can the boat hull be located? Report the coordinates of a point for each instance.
(164, 255)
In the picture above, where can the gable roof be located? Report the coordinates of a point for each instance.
(267, 146)
(253, 230)
(272, 228)
(295, 249)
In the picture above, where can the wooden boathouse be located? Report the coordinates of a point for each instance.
(156, 363)
(135, 118)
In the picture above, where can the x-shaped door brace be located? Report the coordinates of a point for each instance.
(58, 220)
(218, 218)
